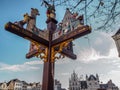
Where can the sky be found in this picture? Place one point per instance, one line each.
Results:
(96, 56)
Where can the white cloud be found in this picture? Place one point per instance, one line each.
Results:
(89, 55)
(3, 65)
(20, 67)
(78, 69)
(98, 41)
(114, 75)
(65, 74)
(65, 60)
(33, 62)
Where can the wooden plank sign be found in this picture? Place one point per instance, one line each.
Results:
(25, 33)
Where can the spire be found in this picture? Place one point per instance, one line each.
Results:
(97, 77)
(73, 71)
(86, 77)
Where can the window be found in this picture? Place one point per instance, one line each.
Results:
(95, 83)
(3, 85)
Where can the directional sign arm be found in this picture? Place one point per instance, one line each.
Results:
(69, 54)
(66, 52)
(31, 54)
(25, 33)
(81, 31)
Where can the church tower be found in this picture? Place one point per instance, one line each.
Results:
(74, 83)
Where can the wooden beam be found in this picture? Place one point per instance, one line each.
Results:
(31, 54)
(81, 31)
(69, 54)
(13, 28)
(65, 52)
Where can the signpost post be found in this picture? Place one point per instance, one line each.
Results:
(47, 48)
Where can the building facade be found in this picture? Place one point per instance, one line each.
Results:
(109, 86)
(3, 86)
(74, 83)
(91, 82)
(24, 87)
(16, 84)
(57, 85)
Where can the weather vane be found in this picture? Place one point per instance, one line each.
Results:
(46, 44)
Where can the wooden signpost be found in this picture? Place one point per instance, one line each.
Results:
(43, 43)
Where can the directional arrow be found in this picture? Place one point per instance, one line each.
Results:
(13, 28)
(81, 31)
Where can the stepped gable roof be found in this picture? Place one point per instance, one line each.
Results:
(83, 84)
(110, 83)
(103, 86)
(24, 83)
(92, 77)
(13, 80)
(8, 83)
(38, 84)
(16, 80)
(67, 12)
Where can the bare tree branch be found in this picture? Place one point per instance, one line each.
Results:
(104, 12)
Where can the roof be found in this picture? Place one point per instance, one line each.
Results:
(24, 83)
(92, 77)
(38, 84)
(103, 86)
(66, 13)
(8, 83)
(13, 80)
(30, 84)
(110, 83)
(1, 84)
(57, 82)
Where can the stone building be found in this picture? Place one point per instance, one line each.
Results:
(74, 83)
(57, 85)
(25, 84)
(36, 86)
(91, 82)
(109, 86)
(15, 84)
(3, 86)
